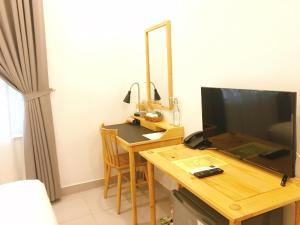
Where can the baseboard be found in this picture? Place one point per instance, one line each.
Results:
(81, 187)
(85, 186)
(72, 189)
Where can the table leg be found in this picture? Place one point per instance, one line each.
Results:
(151, 193)
(105, 178)
(133, 187)
(297, 213)
(235, 222)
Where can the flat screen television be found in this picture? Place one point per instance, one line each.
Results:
(257, 126)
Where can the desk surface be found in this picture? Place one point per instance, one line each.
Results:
(131, 133)
(241, 192)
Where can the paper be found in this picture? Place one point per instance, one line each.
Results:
(190, 164)
(154, 136)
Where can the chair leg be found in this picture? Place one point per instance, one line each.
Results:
(119, 192)
(107, 179)
(105, 171)
(146, 173)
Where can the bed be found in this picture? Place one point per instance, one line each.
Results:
(25, 203)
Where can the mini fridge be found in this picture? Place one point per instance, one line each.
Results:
(190, 210)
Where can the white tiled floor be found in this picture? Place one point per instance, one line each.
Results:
(90, 208)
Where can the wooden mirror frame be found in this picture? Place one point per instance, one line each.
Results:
(151, 103)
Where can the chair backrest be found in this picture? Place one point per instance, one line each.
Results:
(110, 146)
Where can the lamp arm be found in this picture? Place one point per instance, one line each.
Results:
(139, 97)
(152, 84)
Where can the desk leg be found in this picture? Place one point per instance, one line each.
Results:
(151, 193)
(105, 180)
(133, 187)
(235, 222)
(297, 213)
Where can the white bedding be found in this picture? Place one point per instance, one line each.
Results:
(25, 203)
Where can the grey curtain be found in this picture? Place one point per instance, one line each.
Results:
(23, 64)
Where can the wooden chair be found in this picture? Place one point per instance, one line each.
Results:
(119, 161)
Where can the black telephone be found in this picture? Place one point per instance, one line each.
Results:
(196, 140)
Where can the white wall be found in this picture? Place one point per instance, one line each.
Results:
(96, 49)
(238, 44)
(90, 63)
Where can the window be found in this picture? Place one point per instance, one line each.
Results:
(11, 112)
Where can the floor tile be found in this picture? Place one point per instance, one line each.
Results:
(111, 217)
(71, 196)
(96, 203)
(66, 210)
(90, 208)
(86, 220)
(163, 209)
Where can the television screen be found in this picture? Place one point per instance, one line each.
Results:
(253, 125)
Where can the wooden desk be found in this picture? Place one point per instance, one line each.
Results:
(130, 138)
(241, 192)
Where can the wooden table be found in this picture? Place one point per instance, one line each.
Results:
(241, 192)
(131, 139)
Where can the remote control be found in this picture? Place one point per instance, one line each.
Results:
(275, 154)
(207, 173)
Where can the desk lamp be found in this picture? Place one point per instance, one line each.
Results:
(127, 98)
(156, 95)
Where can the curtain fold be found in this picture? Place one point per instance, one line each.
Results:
(23, 64)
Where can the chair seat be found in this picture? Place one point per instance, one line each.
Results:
(124, 160)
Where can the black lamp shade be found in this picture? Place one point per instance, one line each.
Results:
(156, 95)
(127, 98)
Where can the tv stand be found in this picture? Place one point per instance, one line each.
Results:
(284, 180)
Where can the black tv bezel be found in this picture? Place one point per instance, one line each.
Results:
(294, 142)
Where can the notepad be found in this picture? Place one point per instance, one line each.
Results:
(154, 136)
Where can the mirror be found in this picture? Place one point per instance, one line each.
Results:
(159, 66)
